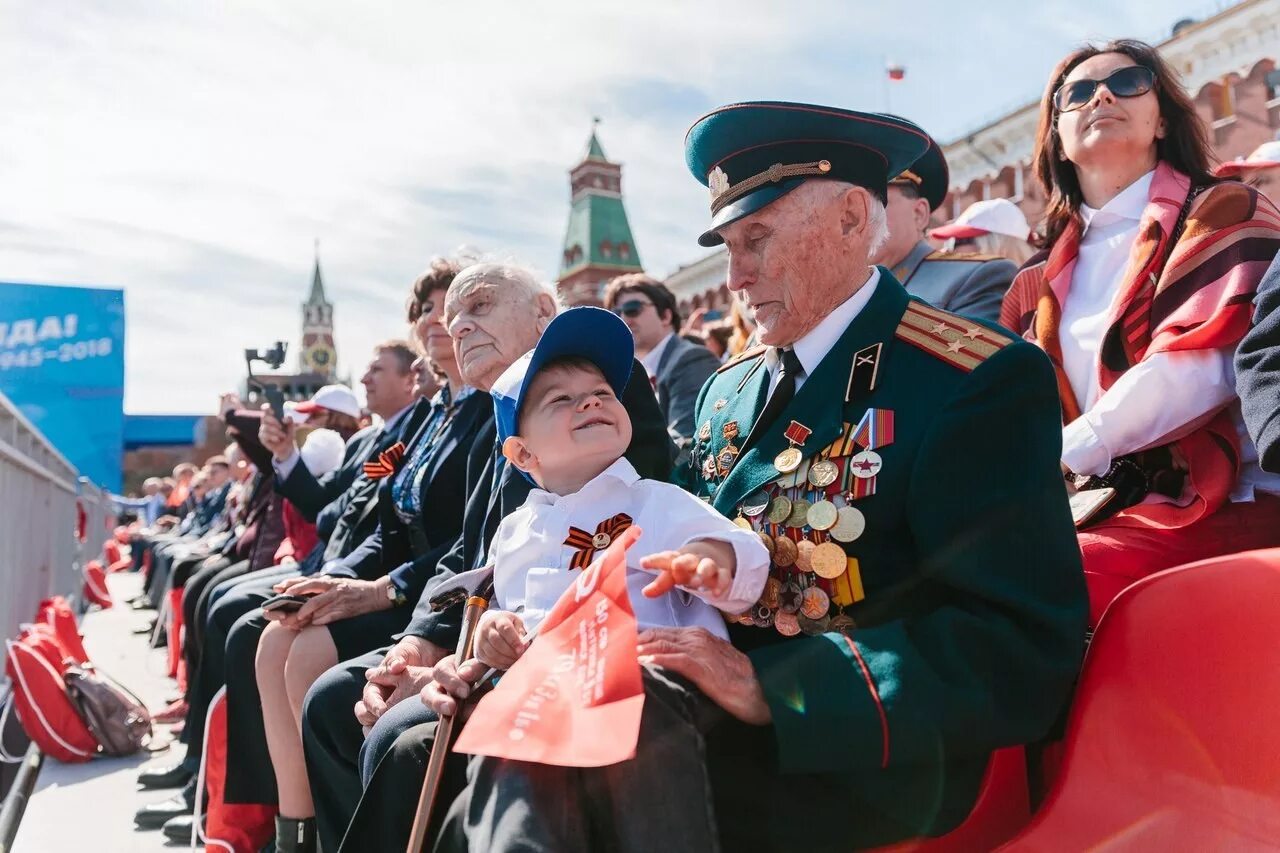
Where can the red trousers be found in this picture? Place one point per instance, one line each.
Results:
(1115, 557)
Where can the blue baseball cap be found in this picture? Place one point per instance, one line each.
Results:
(595, 334)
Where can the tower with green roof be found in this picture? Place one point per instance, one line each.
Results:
(597, 244)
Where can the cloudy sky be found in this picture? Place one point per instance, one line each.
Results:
(191, 152)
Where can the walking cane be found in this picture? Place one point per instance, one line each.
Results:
(476, 605)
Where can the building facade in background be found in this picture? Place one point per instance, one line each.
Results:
(597, 244)
(1229, 62)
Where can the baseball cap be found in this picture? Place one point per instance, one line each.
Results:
(335, 398)
(1264, 156)
(993, 216)
(591, 333)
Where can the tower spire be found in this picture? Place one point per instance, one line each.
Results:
(317, 283)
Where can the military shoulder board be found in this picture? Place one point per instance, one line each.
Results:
(962, 343)
(971, 257)
(745, 355)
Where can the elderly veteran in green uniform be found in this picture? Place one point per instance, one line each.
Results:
(926, 603)
(960, 282)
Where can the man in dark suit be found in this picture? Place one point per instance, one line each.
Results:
(1258, 372)
(676, 368)
(495, 315)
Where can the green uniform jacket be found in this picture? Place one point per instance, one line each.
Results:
(972, 627)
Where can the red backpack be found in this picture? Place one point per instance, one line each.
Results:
(39, 695)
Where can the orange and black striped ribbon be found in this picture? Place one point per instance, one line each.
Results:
(385, 464)
(583, 541)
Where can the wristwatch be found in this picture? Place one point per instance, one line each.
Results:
(395, 595)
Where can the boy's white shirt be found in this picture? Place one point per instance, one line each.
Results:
(531, 561)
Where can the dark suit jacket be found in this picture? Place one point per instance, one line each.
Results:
(494, 488)
(682, 371)
(389, 550)
(1258, 372)
(311, 494)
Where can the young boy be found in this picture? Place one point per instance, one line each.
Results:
(561, 424)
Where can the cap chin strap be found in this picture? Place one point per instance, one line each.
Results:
(774, 174)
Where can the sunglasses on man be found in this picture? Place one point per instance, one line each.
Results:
(631, 308)
(1129, 82)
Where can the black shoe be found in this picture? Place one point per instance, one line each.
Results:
(165, 777)
(156, 815)
(179, 829)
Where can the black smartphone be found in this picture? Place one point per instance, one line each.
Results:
(276, 398)
(285, 603)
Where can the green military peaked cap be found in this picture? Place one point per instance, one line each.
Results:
(753, 153)
(929, 175)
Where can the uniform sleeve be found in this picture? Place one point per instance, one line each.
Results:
(992, 664)
(679, 518)
(1257, 365)
(979, 296)
(683, 392)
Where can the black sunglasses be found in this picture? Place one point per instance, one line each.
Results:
(1127, 82)
(631, 308)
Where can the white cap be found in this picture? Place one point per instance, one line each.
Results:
(322, 451)
(1264, 156)
(994, 216)
(335, 398)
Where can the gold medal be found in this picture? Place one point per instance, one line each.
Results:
(828, 560)
(729, 431)
(772, 591)
(822, 473)
(767, 541)
(704, 431)
(815, 603)
(788, 460)
(742, 522)
(799, 514)
(784, 552)
(791, 598)
(842, 622)
(726, 458)
(822, 515)
(786, 624)
(850, 523)
(709, 468)
(804, 554)
(779, 509)
(761, 616)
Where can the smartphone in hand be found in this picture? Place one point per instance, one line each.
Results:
(284, 603)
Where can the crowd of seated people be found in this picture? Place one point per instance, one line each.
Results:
(342, 520)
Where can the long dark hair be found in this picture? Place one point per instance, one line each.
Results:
(1184, 146)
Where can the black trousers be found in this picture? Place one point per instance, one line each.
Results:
(208, 678)
(331, 741)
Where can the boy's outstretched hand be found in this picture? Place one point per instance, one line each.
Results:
(704, 565)
(500, 639)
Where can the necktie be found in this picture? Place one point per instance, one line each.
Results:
(788, 370)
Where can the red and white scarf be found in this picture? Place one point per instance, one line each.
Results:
(1195, 294)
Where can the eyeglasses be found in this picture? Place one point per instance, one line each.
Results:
(1127, 82)
(632, 308)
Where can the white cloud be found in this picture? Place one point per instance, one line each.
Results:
(191, 152)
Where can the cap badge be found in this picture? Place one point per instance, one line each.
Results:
(718, 183)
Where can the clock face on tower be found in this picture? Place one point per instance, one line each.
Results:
(319, 358)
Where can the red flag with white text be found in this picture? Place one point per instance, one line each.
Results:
(575, 698)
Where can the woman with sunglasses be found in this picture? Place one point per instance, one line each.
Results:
(1139, 301)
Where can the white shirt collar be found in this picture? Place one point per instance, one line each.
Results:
(1129, 204)
(814, 346)
(620, 471)
(653, 357)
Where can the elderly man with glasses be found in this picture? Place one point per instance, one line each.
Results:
(676, 367)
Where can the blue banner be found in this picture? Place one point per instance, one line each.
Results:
(62, 364)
